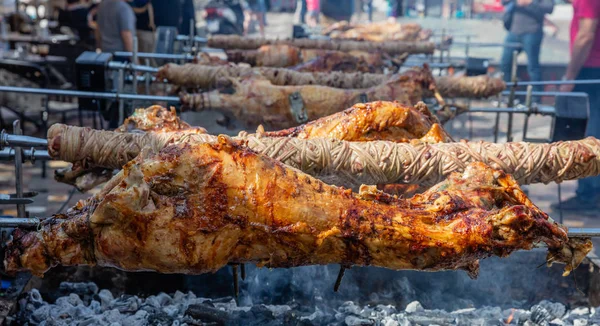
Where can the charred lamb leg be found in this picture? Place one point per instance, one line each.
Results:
(195, 208)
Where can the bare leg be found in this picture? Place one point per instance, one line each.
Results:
(261, 23)
(247, 20)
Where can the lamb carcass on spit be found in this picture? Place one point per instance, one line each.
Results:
(370, 121)
(312, 60)
(255, 100)
(235, 42)
(194, 208)
(378, 32)
(208, 76)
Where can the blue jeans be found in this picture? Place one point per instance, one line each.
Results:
(531, 44)
(590, 186)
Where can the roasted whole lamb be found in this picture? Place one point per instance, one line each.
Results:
(194, 208)
(257, 101)
(206, 77)
(232, 42)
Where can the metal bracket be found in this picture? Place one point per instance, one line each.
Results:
(297, 108)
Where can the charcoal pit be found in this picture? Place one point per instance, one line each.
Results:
(511, 291)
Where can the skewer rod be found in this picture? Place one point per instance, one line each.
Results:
(545, 110)
(584, 232)
(99, 95)
(31, 222)
(556, 82)
(12, 222)
(524, 93)
(23, 141)
(8, 154)
(149, 55)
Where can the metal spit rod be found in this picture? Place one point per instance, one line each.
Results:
(7, 139)
(19, 171)
(34, 222)
(521, 93)
(584, 232)
(31, 155)
(99, 95)
(555, 82)
(150, 55)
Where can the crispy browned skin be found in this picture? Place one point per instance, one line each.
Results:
(256, 101)
(152, 119)
(156, 119)
(469, 87)
(339, 61)
(378, 32)
(373, 121)
(195, 208)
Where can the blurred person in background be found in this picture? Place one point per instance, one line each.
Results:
(395, 9)
(144, 23)
(336, 10)
(75, 16)
(168, 13)
(7, 7)
(255, 12)
(585, 64)
(313, 9)
(188, 17)
(524, 20)
(300, 13)
(116, 26)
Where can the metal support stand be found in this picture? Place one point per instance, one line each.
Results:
(497, 122)
(340, 276)
(19, 170)
(511, 99)
(236, 286)
(134, 60)
(120, 86)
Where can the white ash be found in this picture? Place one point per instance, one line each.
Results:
(86, 305)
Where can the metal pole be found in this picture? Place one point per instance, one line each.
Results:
(134, 60)
(99, 95)
(557, 82)
(14, 222)
(497, 123)
(149, 55)
(511, 100)
(534, 93)
(120, 85)
(442, 48)
(19, 170)
(24, 141)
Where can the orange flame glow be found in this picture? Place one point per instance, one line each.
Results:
(510, 318)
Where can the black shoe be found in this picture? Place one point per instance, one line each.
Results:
(578, 203)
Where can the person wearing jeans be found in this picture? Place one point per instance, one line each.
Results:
(526, 29)
(585, 64)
